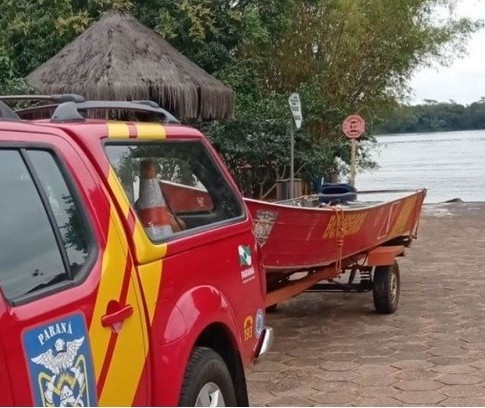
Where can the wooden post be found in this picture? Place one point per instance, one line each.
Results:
(292, 160)
(353, 161)
(296, 121)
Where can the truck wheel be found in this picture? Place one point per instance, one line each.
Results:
(387, 285)
(207, 382)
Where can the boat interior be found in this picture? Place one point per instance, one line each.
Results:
(344, 195)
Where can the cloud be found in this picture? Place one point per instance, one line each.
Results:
(464, 80)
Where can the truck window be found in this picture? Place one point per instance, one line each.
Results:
(193, 189)
(42, 241)
(67, 216)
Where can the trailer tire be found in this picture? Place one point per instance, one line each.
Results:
(206, 381)
(386, 288)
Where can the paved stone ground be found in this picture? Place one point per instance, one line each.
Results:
(333, 349)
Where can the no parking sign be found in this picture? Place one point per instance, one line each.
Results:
(354, 126)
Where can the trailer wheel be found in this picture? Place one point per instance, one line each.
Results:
(207, 381)
(387, 285)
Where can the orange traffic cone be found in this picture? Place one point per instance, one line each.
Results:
(150, 206)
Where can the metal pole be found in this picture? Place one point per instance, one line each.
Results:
(292, 159)
(353, 146)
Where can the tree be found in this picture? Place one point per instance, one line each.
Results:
(433, 116)
(10, 83)
(34, 31)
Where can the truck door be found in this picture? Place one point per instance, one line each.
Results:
(71, 328)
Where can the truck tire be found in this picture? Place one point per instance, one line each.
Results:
(387, 285)
(207, 381)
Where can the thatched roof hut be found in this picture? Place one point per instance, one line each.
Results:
(118, 58)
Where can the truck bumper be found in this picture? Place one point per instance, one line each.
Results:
(266, 341)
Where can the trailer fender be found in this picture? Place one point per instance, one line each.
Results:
(384, 255)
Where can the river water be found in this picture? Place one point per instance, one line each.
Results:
(449, 164)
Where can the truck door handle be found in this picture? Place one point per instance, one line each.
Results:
(117, 316)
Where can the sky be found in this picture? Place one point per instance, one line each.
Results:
(464, 80)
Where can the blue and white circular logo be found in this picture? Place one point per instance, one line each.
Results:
(259, 322)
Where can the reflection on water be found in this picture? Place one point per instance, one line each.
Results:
(449, 164)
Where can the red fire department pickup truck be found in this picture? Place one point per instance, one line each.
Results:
(129, 272)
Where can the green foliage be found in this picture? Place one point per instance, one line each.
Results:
(10, 83)
(253, 146)
(96, 7)
(361, 52)
(34, 31)
(261, 156)
(206, 31)
(434, 117)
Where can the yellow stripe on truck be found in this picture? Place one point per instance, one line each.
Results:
(118, 129)
(128, 362)
(118, 192)
(150, 131)
(128, 359)
(111, 280)
(151, 277)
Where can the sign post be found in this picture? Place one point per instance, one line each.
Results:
(353, 161)
(353, 127)
(295, 107)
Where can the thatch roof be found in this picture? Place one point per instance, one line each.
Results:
(118, 58)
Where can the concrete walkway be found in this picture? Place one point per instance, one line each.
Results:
(333, 349)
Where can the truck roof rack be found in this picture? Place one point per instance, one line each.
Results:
(69, 111)
(56, 98)
(7, 113)
(67, 107)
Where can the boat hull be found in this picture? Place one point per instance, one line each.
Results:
(294, 238)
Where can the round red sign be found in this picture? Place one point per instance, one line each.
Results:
(354, 126)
